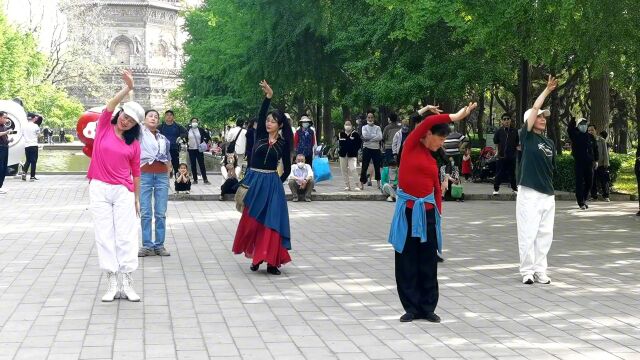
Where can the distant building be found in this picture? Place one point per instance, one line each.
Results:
(142, 35)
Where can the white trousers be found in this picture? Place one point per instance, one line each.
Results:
(348, 169)
(116, 226)
(535, 214)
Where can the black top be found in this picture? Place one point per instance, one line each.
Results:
(265, 155)
(507, 140)
(349, 144)
(4, 139)
(538, 161)
(584, 147)
(251, 139)
(173, 132)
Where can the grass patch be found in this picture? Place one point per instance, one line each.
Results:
(626, 181)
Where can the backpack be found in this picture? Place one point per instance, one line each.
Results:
(231, 148)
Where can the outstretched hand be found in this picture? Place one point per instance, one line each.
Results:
(552, 83)
(127, 77)
(434, 109)
(268, 92)
(464, 112)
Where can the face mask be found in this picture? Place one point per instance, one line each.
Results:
(582, 128)
(348, 128)
(405, 129)
(452, 162)
(370, 123)
(305, 125)
(194, 125)
(301, 165)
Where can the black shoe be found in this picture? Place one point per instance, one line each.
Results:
(408, 317)
(273, 270)
(255, 267)
(587, 206)
(432, 317)
(195, 181)
(638, 213)
(206, 182)
(583, 207)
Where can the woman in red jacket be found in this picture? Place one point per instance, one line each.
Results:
(415, 229)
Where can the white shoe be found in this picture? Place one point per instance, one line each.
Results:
(496, 192)
(542, 278)
(112, 290)
(126, 288)
(607, 200)
(515, 192)
(347, 189)
(2, 191)
(527, 279)
(390, 199)
(357, 189)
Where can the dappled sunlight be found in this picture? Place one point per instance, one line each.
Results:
(493, 267)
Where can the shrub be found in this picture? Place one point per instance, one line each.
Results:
(68, 138)
(564, 178)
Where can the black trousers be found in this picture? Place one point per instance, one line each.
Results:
(4, 159)
(417, 270)
(31, 152)
(584, 178)
(601, 179)
(196, 155)
(505, 170)
(637, 170)
(369, 155)
(175, 158)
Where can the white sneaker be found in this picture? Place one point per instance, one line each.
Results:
(527, 279)
(496, 192)
(126, 288)
(542, 278)
(2, 191)
(357, 189)
(390, 199)
(112, 287)
(347, 189)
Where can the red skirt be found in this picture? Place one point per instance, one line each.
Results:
(258, 242)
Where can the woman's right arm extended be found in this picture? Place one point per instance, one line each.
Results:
(261, 128)
(552, 83)
(127, 77)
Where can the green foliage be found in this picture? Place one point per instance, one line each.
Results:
(564, 178)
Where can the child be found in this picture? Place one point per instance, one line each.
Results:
(390, 180)
(466, 164)
(449, 176)
(183, 181)
(230, 185)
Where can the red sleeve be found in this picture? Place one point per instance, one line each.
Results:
(295, 140)
(105, 119)
(421, 130)
(135, 159)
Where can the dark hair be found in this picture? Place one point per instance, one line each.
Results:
(169, 112)
(441, 130)
(129, 135)
(604, 134)
(415, 119)
(194, 118)
(185, 165)
(594, 127)
(239, 122)
(393, 117)
(251, 121)
(392, 162)
(505, 115)
(151, 110)
(3, 113)
(371, 111)
(287, 133)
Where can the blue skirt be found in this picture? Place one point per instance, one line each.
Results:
(267, 203)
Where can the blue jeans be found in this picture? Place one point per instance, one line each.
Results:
(154, 186)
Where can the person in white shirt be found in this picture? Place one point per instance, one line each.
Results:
(237, 141)
(301, 179)
(31, 132)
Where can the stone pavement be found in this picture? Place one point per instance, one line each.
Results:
(336, 300)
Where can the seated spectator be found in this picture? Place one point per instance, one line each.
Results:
(230, 159)
(183, 180)
(450, 175)
(390, 180)
(301, 179)
(230, 185)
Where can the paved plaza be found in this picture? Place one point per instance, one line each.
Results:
(336, 300)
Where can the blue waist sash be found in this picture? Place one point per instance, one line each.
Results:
(399, 224)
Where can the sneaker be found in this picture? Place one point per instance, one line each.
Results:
(542, 278)
(161, 251)
(594, 198)
(607, 200)
(527, 279)
(369, 183)
(587, 206)
(34, 179)
(307, 199)
(432, 317)
(221, 197)
(187, 192)
(515, 192)
(143, 252)
(583, 207)
(195, 181)
(112, 287)
(295, 199)
(126, 288)
(408, 317)
(496, 192)
(637, 214)
(206, 182)
(24, 177)
(347, 189)
(390, 199)
(357, 189)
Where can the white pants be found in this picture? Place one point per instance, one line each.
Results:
(116, 226)
(535, 214)
(387, 189)
(348, 169)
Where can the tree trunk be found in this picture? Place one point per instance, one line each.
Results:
(346, 112)
(553, 125)
(522, 100)
(638, 114)
(599, 96)
(491, 109)
(318, 121)
(480, 119)
(299, 100)
(327, 126)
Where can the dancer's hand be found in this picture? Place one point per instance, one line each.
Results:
(268, 92)
(127, 77)
(433, 109)
(464, 112)
(552, 83)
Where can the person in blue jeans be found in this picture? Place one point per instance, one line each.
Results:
(155, 167)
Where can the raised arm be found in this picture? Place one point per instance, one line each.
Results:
(421, 130)
(127, 77)
(552, 83)
(261, 129)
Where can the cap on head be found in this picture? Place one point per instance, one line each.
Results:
(581, 120)
(135, 111)
(542, 112)
(305, 118)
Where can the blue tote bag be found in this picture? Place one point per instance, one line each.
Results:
(321, 169)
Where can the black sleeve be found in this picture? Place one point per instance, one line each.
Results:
(204, 137)
(496, 138)
(596, 154)
(261, 129)
(286, 164)
(572, 130)
(358, 140)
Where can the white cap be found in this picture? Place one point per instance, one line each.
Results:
(581, 120)
(134, 110)
(544, 112)
(305, 118)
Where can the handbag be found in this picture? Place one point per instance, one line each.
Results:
(321, 169)
(231, 148)
(240, 195)
(456, 191)
(202, 147)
